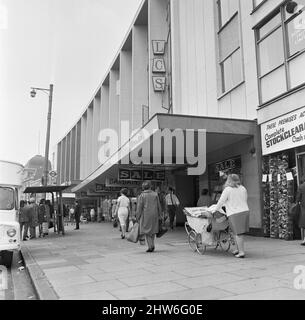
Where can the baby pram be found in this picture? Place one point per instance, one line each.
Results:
(207, 229)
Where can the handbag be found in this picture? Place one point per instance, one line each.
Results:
(115, 223)
(162, 230)
(134, 234)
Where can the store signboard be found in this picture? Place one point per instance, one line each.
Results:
(283, 133)
(232, 165)
(102, 188)
(141, 175)
(110, 182)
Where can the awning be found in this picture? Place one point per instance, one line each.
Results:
(221, 132)
(45, 189)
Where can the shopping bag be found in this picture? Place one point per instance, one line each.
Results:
(133, 235)
(162, 230)
(127, 224)
(45, 228)
(130, 225)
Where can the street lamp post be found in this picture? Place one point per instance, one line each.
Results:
(50, 94)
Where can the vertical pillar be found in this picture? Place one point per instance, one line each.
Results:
(140, 77)
(157, 30)
(83, 153)
(95, 130)
(78, 148)
(68, 156)
(59, 164)
(114, 101)
(73, 154)
(89, 128)
(125, 98)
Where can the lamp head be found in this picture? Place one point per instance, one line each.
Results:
(33, 93)
(291, 7)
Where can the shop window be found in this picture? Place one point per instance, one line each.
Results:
(230, 56)
(281, 51)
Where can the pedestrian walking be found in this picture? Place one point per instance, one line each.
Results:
(205, 199)
(41, 216)
(71, 214)
(33, 215)
(123, 210)
(301, 200)
(172, 203)
(148, 215)
(234, 198)
(92, 214)
(24, 220)
(77, 214)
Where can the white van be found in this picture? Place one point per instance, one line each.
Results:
(10, 187)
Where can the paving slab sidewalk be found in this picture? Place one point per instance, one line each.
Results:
(94, 263)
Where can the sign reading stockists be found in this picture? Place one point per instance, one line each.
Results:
(284, 133)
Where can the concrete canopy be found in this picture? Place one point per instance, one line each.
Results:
(220, 132)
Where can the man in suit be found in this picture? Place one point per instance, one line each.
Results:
(77, 214)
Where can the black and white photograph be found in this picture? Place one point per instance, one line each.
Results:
(152, 150)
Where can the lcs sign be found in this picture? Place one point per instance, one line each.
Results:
(158, 67)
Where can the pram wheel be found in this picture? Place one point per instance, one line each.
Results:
(224, 241)
(200, 247)
(192, 240)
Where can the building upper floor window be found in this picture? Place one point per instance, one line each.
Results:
(256, 3)
(230, 57)
(226, 10)
(281, 51)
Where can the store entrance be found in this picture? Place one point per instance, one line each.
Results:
(301, 167)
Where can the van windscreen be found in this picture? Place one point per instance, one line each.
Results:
(6, 198)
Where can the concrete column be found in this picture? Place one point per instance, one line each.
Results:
(63, 161)
(89, 144)
(73, 154)
(125, 98)
(77, 150)
(114, 113)
(95, 130)
(140, 77)
(104, 107)
(83, 153)
(68, 156)
(157, 30)
(58, 165)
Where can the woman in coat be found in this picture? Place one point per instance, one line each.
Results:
(148, 214)
(301, 199)
(234, 199)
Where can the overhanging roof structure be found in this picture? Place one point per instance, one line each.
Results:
(221, 132)
(45, 189)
